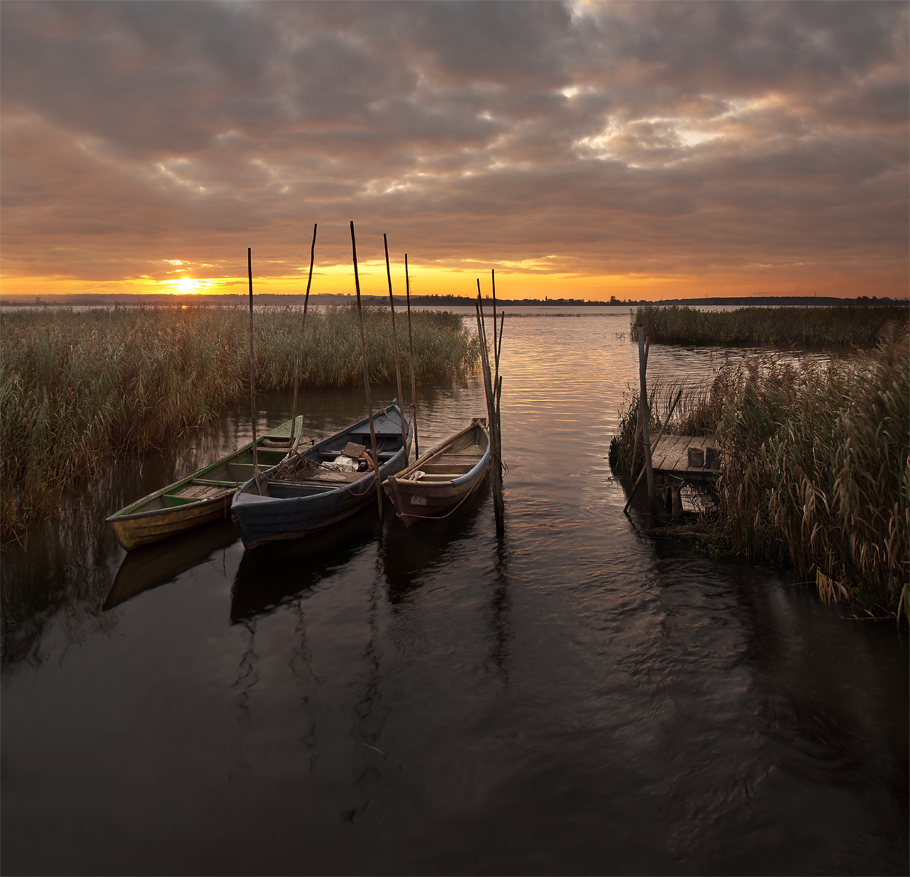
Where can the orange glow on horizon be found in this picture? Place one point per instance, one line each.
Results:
(339, 280)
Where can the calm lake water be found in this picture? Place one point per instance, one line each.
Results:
(573, 698)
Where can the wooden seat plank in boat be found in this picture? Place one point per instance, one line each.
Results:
(199, 498)
(444, 477)
(276, 506)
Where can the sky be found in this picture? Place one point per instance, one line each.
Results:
(642, 150)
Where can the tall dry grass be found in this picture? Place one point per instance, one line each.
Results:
(697, 412)
(78, 387)
(827, 328)
(816, 466)
(817, 471)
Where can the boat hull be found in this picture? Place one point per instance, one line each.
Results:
(293, 511)
(147, 527)
(435, 496)
(198, 499)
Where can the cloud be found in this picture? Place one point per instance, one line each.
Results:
(596, 138)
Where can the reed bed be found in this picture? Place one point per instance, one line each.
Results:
(79, 387)
(816, 467)
(809, 328)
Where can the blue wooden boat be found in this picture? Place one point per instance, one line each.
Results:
(444, 477)
(300, 495)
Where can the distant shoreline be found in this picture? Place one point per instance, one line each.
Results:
(165, 299)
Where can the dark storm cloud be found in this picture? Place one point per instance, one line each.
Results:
(602, 138)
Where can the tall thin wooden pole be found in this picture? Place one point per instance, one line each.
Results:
(643, 402)
(388, 271)
(491, 393)
(366, 378)
(502, 325)
(407, 286)
(495, 344)
(306, 301)
(249, 266)
(497, 397)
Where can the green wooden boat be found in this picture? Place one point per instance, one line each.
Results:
(202, 497)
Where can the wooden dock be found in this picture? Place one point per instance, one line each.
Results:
(686, 456)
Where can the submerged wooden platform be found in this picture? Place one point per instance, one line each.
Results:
(671, 457)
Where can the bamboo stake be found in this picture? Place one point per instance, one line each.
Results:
(404, 431)
(249, 266)
(306, 301)
(645, 427)
(366, 378)
(407, 282)
(660, 435)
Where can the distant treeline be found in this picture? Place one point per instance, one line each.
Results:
(273, 299)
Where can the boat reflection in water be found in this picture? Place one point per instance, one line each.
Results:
(410, 556)
(280, 573)
(151, 566)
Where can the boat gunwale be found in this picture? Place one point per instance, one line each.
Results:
(462, 479)
(125, 514)
(367, 479)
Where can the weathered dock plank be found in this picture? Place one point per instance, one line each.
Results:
(671, 456)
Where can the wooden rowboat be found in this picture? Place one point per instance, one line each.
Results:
(444, 477)
(202, 497)
(300, 496)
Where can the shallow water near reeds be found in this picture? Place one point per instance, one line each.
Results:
(572, 698)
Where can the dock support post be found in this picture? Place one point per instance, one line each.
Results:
(660, 435)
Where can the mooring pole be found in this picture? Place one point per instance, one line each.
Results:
(407, 286)
(306, 301)
(249, 267)
(495, 342)
(491, 393)
(643, 403)
(366, 378)
(404, 431)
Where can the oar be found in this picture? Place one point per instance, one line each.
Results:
(448, 447)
